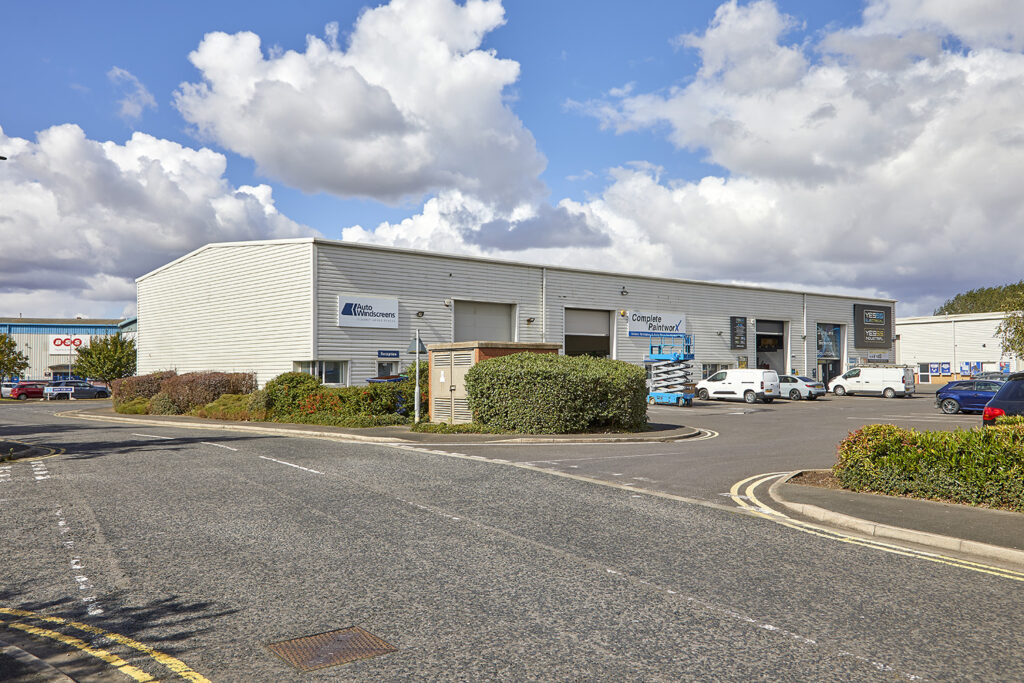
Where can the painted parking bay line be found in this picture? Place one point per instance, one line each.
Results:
(218, 445)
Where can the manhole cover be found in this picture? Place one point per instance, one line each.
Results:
(330, 648)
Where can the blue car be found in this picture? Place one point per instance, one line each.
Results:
(969, 395)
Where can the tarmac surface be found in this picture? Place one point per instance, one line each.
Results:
(972, 531)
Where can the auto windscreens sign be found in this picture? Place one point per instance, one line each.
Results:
(645, 324)
(367, 311)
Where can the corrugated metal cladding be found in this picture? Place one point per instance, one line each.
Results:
(33, 339)
(953, 339)
(268, 305)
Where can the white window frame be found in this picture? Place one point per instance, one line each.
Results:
(344, 371)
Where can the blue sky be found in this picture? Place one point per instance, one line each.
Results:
(782, 143)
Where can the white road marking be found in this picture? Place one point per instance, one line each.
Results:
(218, 445)
(39, 470)
(92, 606)
(299, 467)
(153, 436)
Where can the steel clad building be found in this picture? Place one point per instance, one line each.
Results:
(346, 312)
(50, 343)
(942, 348)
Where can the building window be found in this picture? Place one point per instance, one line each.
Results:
(387, 368)
(327, 371)
(708, 369)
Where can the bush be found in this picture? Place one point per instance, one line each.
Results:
(285, 392)
(227, 407)
(195, 389)
(445, 428)
(143, 386)
(162, 404)
(136, 406)
(980, 466)
(548, 393)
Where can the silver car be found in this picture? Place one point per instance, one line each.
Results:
(797, 387)
(79, 389)
(5, 389)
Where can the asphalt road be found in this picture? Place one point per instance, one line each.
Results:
(172, 550)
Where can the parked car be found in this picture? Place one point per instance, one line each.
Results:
(1009, 400)
(5, 389)
(80, 389)
(966, 395)
(740, 384)
(27, 390)
(797, 387)
(992, 374)
(889, 381)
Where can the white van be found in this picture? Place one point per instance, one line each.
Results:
(740, 384)
(889, 381)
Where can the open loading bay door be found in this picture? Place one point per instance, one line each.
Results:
(588, 332)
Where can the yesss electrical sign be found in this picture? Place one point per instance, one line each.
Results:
(644, 324)
(366, 311)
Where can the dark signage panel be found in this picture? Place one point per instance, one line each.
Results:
(872, 326)
(737, 332)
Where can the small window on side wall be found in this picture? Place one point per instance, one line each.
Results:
(327, 371)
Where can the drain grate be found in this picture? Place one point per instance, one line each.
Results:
(330, 649)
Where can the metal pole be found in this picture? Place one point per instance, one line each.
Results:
(416, 394)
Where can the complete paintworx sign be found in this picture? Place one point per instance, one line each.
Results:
(367, 311)
(645, 324)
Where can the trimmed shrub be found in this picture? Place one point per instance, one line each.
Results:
(550, 394)
(142, 386)
(257, 405)
(227, 407)
(195, 389)
(136, 406)
(285, 392)
(980, 466)
(162, 404)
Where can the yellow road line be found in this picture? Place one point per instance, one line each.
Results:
(53, 450)
(175, 665)
(784, 520)
(108, 657)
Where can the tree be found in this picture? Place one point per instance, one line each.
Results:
(1011, 330)
(107, 358)
(12, 361)
(983, 300)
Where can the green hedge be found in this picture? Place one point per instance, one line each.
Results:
(128, 389)
(552, 394)
(980, 466)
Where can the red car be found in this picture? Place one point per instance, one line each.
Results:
(27, 390)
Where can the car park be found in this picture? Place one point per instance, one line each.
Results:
(27, 390)
(1008, 401)
(967, 395)
(740, 384)
(79, 389)
(796, 387)
(888, 381)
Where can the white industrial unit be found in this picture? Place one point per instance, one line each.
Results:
(943, 348)
(346, 312)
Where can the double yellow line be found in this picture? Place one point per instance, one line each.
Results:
(749, 501)
(169, 662)
(53, 452)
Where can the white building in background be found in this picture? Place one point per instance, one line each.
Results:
(943, 348)
(51, 344)
(346, 312)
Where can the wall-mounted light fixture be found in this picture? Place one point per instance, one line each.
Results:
(624, 292)
(530, 320)
(719, 333)
(419, 314)
(622, 313)
(447, 303)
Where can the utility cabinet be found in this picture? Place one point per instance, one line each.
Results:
(449, 363)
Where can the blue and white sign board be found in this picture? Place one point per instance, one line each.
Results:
(946, 369)
(965, 367)
(356, 310)
(58, 390)
(646, 324)
(387, 354)
(934, 368)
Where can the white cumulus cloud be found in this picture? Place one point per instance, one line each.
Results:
(412, 106)
(82, 219)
